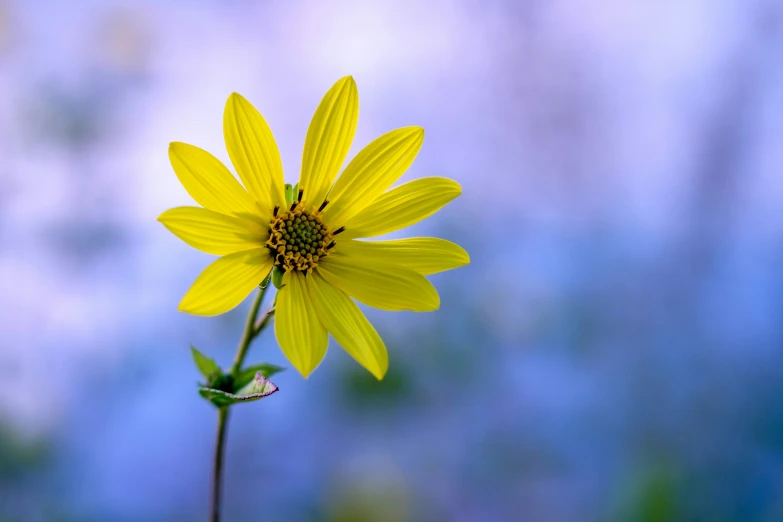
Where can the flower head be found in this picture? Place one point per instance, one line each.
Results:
(313, 236)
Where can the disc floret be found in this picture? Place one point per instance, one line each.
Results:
(298, 239)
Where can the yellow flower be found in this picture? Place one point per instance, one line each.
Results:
(313, 238)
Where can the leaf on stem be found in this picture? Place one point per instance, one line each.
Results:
(208, 367)
(247, 375)
(258, 388)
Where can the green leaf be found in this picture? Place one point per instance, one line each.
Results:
(289, 193)
(206, 366)
(246, 375)
(277, 277)
(266, 280)
(258, 388)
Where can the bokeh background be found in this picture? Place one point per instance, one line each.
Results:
(613, 353)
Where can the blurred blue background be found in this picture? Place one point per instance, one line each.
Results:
(613, 353)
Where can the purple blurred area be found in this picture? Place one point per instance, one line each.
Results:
(613, 353)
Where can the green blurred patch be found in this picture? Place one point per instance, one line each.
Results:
(19, 454)
(377, 496)
(360, 390)
(21, 461)
(655, 496)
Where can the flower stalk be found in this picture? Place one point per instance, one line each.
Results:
(217, 477)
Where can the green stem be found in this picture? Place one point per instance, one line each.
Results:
(252, 330)
(217, 478)
(261, 324)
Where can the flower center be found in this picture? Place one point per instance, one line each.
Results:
(298, 239)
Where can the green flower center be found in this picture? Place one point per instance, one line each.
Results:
(298, 239)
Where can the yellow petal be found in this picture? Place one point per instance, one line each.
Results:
(253, 151)
(372, 171)
(299, 332)
(211, 184)
(328, 139)
(226, 282)
(402, 206)
(380, 285)
(212, 232)
(348, 325)
(424, 255)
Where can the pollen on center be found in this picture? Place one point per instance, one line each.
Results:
(298, 239)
